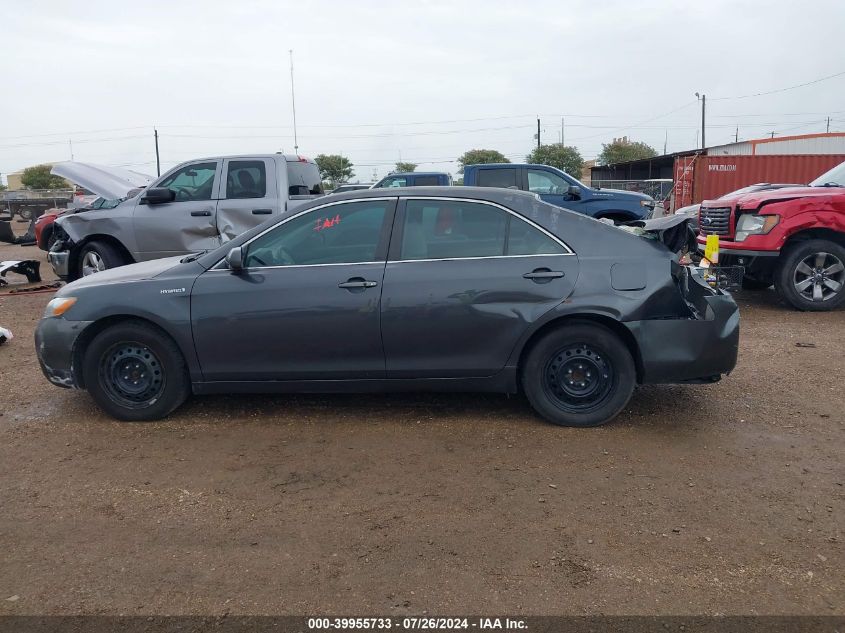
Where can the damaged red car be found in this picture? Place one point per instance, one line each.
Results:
(792, 238)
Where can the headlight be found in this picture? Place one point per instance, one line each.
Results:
(58, 306)
(647, 203)
(750, 224)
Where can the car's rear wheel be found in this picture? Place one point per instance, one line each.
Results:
(96, 257)
(811, 275)
(135, 372)
(580, 374)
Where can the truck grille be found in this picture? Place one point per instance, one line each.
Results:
(715, 221)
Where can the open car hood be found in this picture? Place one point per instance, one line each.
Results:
(674, 231)
(111, 183)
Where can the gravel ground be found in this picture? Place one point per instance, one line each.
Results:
(724, 498)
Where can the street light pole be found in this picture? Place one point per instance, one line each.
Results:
(293, 104)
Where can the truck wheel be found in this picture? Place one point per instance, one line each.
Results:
(135, 372)
(579, 375)
(98, 256)
(811, 275)
(25, 214)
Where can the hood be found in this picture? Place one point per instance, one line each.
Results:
(673, 231)
(618, 194)
(755, 199)
(111, 183)
(123, 274)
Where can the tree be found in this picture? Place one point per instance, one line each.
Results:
(481, 157)
(405, 167)
(622, 150)
(3, 187)
(334, 168)
(565, 158)
(39, 177)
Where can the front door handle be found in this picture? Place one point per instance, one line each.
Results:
(262, 211)
(357, 283)
(201, 214)
(543, 275)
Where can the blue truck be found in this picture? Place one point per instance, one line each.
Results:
(415, 179)
(559, 188)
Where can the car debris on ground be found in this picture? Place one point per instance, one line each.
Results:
(30, 268)
(5, 335)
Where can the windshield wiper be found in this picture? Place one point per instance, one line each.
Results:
(190, 258)
(830, 184)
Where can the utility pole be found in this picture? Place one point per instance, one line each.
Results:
(293, 104)
(158, 160)
(562, 139)
(703, 99)
(538, 132)
(828, 124)
(773, 134)
(70, 144)
(665, 140)
(736, 138)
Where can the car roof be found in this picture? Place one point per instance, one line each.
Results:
(490, 194)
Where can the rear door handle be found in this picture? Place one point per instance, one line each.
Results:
(262, 211)
(201, 214)
(544, 273)
(357, 283)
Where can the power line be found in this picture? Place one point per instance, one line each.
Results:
(771, 92)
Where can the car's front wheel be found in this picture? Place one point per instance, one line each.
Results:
(811, 275)
(580, 374)
(135, 372)
(96, 257)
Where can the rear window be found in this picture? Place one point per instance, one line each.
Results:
(498, 178)
(427, 181)
(304, 179)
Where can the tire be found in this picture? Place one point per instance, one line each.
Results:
(750, 283)
(25, 214)
(811, 275)
(580, 374)
(98, 256)
(135, 372)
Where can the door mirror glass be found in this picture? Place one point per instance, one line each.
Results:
(158, 195)
(235, 259)
(575, 191)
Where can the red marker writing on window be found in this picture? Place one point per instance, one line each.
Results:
(326, 223)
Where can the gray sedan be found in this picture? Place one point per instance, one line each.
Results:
(455, 289)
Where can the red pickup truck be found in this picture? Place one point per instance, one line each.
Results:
(791, 238)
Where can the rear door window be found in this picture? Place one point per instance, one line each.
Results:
(507, 178)
(246, 179)
(448, 229)
(426, 181)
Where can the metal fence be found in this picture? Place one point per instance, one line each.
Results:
(36, 194)
(657, 189)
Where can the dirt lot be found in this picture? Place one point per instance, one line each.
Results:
(725, 498)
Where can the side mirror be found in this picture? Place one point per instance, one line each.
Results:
(158, 195)
(235, 259)
(574, 190)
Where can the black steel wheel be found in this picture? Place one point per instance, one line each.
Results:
(580, 374)
(134, 371)
(811, 275)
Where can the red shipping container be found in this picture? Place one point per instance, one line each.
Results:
(700, 178)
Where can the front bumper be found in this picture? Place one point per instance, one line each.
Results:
(697, 349)
(55, 339)
(59, 260)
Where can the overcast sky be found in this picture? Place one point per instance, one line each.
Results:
(376, 80)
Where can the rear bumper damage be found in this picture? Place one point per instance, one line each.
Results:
(697, 349)
(55, 339)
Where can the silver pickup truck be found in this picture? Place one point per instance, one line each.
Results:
(194, 207)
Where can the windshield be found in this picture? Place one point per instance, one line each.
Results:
(833, 178)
